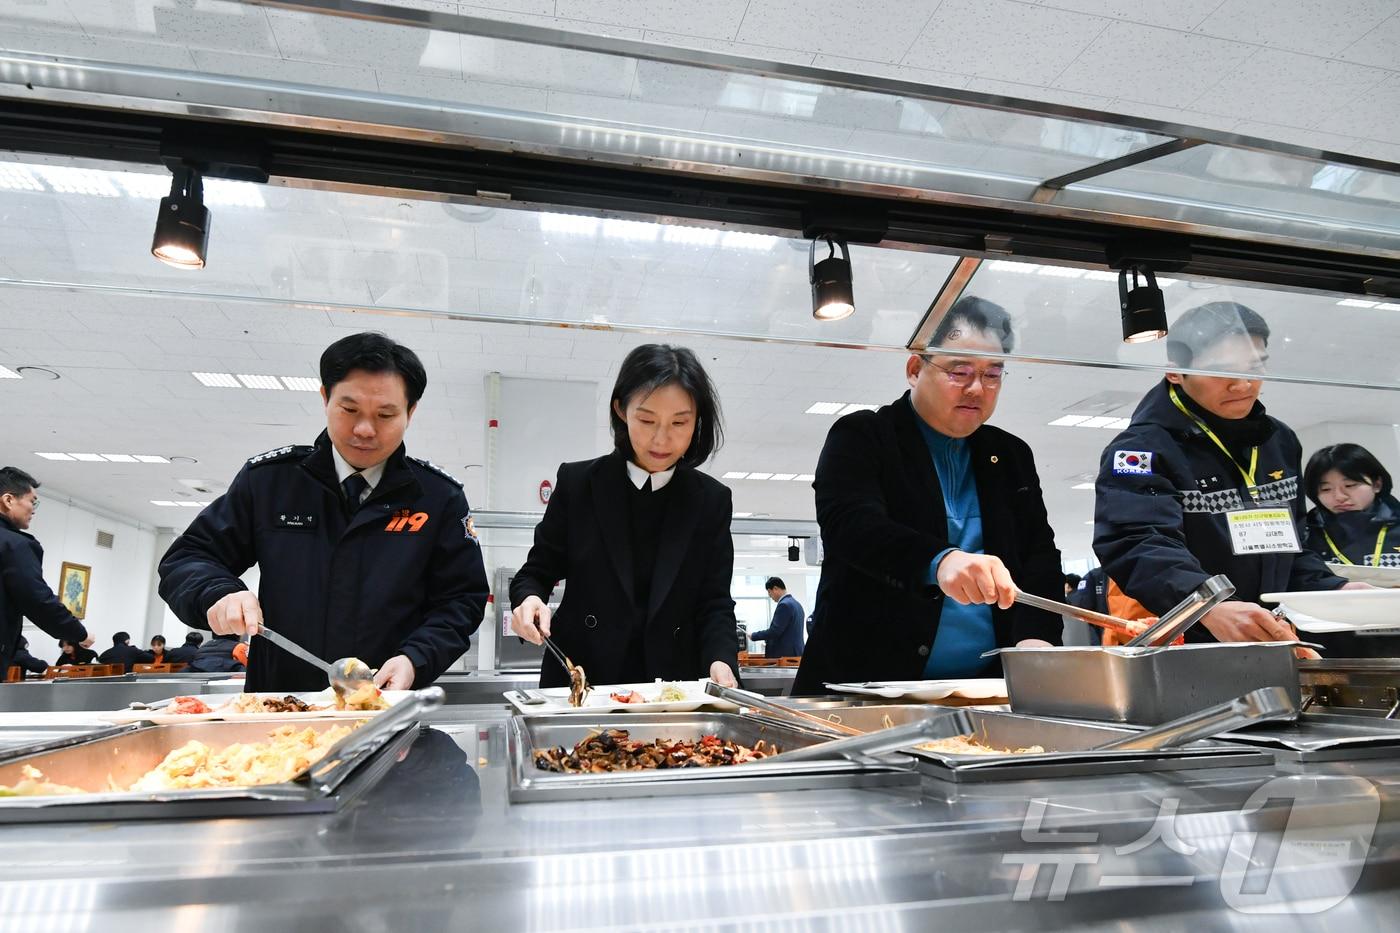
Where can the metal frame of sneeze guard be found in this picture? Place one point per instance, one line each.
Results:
(1186, 613)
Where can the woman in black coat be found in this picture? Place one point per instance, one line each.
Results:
(642, 538)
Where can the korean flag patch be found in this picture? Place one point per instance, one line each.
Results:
(1132, 461)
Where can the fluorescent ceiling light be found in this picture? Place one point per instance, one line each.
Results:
(825, 408)
(218, 380)
(631, 230)
(1020, 268)
(18, 178)
(568, 223)
(690, 236)
(804, 478)
(259, 382)
(1356, 303)
(225, 193)
(139, 185)
(119, 458)
(782, 477)
(302, 383)
(186, 504)
(1060, 272)
(760, 475)
(1098, 421)
(1082, 486)
(9, 374)
(165, 502)
(88, 458)
(743, 515)
(1119, 424)
(67, 180)
(854, 406)
(150, 458)
(1069, 421)
(734, 475)
(1388, 306)
(1099, 275)
(52, 456)
(738, 239)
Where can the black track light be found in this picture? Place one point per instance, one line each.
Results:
(182, 226)
(832, 295)
(1142, 307)
(794, 550)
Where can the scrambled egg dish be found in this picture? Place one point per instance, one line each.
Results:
(286, 753)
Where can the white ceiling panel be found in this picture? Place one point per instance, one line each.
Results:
(1370, 114)
(1377, 47)
(880, 30)
(1152, 65)
(308, 37)
(280, 69)
(1321, 27)
(1179, 14)
(719, 19)
(1275, 86)
(1003, 39)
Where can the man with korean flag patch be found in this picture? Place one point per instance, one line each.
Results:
(1203, 481)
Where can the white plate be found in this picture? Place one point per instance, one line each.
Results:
(1376, 576)
(556, 699)
(219, 703)
(927, 691)
(1340, 610)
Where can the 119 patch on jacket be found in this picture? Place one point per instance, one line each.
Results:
(1132, 461)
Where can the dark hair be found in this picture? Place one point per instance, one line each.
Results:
(1205, 325)
(158, 638)
(1072, 580)
(653, 366)
(15, 482)
(121, 638)
(976, 314)
(1351, 460)
(62, 642)
(194, 638)
(374, 353)
(775, 581)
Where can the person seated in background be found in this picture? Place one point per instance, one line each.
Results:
(932, 520)
(157, 651)
(1356, 519)
(1202, 482)
(27, 661)
(123, 652)
(185, 653)
(220, 655)
(1071, 584)
(783, 636)
(70, 652)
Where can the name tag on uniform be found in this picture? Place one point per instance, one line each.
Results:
(1263, 531)
(294, 520)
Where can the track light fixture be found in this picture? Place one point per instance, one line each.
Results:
(833, 297)
(182, 226)
(794, 549)
(1142, 307)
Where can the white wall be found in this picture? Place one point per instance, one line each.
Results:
(121, 589)
(1383, 440)
(542, 423)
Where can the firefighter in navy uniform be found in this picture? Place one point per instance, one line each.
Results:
(363, 551)
(1204, 482)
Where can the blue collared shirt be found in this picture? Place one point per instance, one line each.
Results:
(964, 632)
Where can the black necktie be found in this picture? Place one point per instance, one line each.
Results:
(354, 486)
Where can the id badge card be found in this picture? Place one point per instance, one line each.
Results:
(1263, 531)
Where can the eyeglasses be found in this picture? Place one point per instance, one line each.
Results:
(963, 376)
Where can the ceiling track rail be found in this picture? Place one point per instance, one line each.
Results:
(323, 159)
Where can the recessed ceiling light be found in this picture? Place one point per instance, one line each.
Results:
(1388, 306)
(760, 475)
(804, 478)
(164, 502)
(9, 374)
(732, 474)
(743, 515)
(259, 382)
(218, 380)
(782, 477)
(68, 180)
(179, 459)
(52, 456)
(29, 371)
(302, 383)
(119, 458)
(1082, 486)
(88, 458)
(1098, 421)
(1069, 421)
(825, 408)
(187, 504)
(1119, 424)
(18, 178)
(150, 458)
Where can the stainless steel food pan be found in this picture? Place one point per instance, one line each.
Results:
(1319, 737)
(1142, 686)
(529, 783)
(116, 758)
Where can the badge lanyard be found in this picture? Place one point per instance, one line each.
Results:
(1253, 454)
(1375, 557)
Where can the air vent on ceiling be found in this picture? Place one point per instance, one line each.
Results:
(105, 539)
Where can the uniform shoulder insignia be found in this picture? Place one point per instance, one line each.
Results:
(280, 453)
(430, 465)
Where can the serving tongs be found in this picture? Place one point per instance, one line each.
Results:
(569, 666)
(796, 717)
(1264, 704)
(1111, 623)
(1186, 613)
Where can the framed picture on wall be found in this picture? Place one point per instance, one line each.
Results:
(73, 581)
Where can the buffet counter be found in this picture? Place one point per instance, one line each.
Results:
(435, 845)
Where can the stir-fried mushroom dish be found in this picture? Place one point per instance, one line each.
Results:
(578, 685)
(612, 750)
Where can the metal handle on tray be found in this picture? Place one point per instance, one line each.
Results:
(786, 713)
(1255, 706)
(347, 754)
(1187, 612)
(861, 747)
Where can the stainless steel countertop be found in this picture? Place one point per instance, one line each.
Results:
(436, 846)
